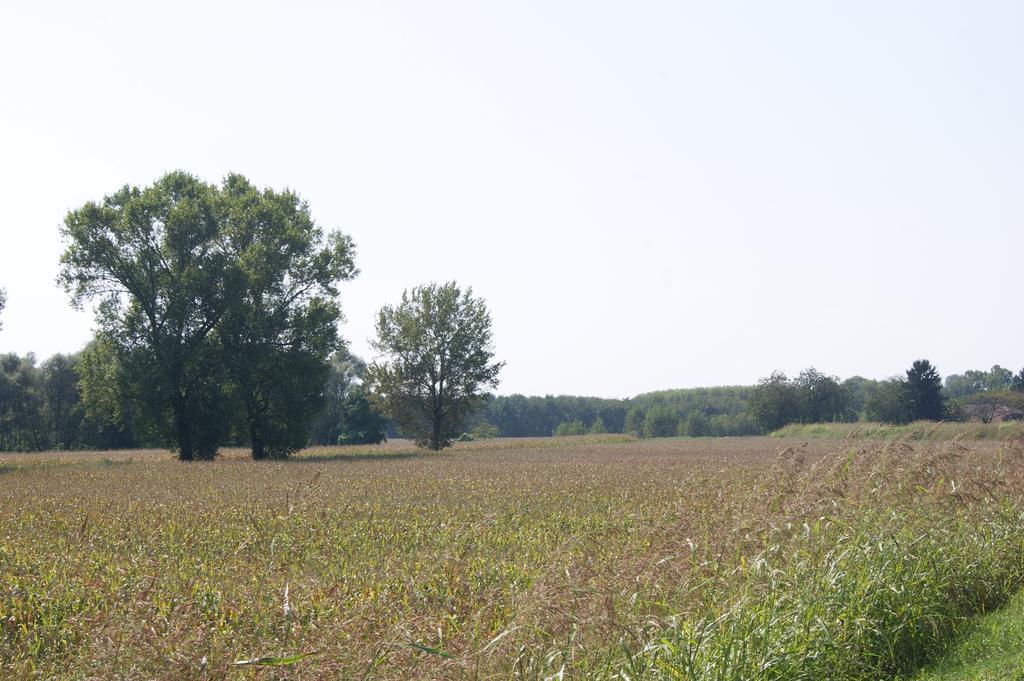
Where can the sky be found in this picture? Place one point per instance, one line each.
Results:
(648, 195)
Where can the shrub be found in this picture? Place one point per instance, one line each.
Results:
(570, 428)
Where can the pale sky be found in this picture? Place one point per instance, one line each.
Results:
(648, 194)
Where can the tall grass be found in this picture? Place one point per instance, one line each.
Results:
(919, 430)
(570, 558)
(866, 579)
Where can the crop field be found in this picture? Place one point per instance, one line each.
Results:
(593, 557)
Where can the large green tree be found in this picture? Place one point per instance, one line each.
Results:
(218, 304)
(437, 356)
(283, 325)
(157, 261)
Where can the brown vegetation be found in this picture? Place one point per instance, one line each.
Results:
(501, 558)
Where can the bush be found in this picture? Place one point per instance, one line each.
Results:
(661, 421)
(696, 424)
(485, 431)
(571, 428)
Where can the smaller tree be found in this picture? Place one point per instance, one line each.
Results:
(998, 379)
(1017, 384)
(634, 424)
(3, 303)
(822, 398)
(437, 356)
(889, 403)
(775, 402)
(63, 403)
(360, 424)
(924, 392)
(661, 421)
(697, 424)
(485, 430)
(566, 428)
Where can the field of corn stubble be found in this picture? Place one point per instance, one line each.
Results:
(604, 557)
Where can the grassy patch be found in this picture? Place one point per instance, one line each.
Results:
(919, 430)
(992, 650)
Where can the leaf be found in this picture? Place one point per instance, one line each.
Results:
(270, 661)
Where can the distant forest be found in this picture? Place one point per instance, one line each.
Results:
(42, 407)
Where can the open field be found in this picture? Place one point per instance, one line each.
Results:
(746, 558)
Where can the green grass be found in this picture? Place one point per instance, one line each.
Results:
(992, 650)
(919, 430)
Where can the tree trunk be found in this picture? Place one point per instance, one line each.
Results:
(256, 439)
(435, 430)
(184, 428)
(258, 447)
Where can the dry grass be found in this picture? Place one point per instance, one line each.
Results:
(502, 559)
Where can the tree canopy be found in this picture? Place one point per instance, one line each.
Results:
(213, 302)
(924, 392)
(283, 323)
(437, 357)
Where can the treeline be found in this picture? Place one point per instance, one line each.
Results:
(919, 394)
(41, 408)
(695, 411)
(776, 401)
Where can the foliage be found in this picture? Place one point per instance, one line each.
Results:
(634, 424)
(1017, 384)
(521, 416)
(157, 260)
(438, 352)
(360, 423)
(217, 304)
(696, 424)
(812, 397)
(42, 407)
(485, 431)
(282, 324)
(570, 428)
(598, 427)
(348, 416)
(3, 303)
(660, 421)
(858, 391)
(890, 403)
(973, 382)
(924, 392)
(821, 398)
(775, 403)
